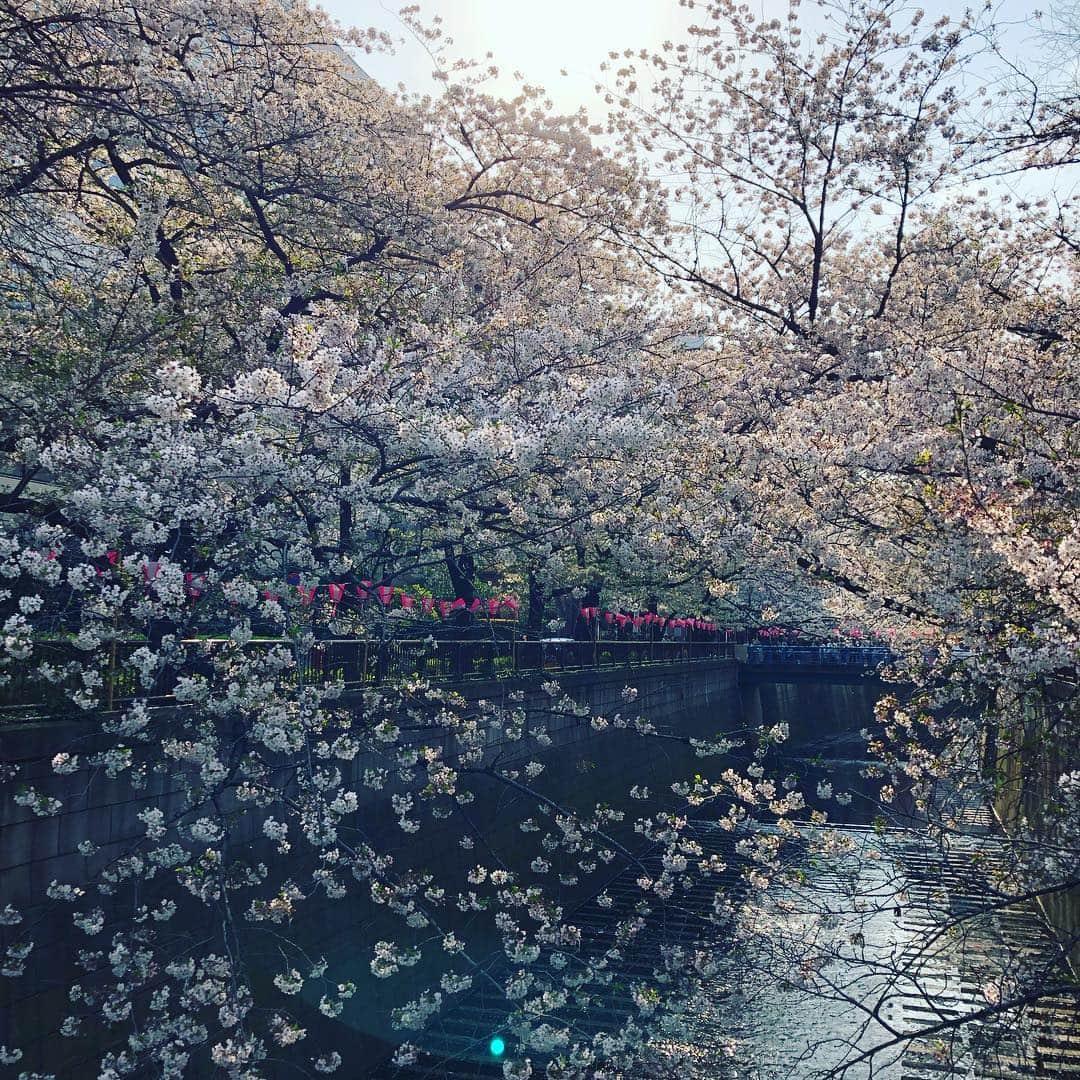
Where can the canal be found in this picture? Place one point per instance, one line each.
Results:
(839, 957)
(836, 971)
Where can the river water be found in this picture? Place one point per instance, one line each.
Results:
(821, 977)
(803, 966)
(879, 964)
(747, 1021)
(775, 1015)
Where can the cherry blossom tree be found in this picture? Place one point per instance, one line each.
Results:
(893, 374)
(269, 329)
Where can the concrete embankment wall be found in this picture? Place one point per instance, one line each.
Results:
(36, 850)
(582, 765)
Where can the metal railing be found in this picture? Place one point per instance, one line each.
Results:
(846, 656)
(370, 662)
(359, 663)
(354, 662)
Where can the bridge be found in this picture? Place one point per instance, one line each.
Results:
(812, 661)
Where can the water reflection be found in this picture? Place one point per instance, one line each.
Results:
(746, 1025)
(795, 997)
(824, 719)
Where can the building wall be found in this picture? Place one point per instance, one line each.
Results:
(1030, 756)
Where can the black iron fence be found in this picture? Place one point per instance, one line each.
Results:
(357, 663)
(352, 662)
(846, 656)
(364, 663)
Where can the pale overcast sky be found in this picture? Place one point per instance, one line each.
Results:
(541, 40)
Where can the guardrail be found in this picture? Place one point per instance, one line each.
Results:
(358, 664)
(846, 656)
(366, 663)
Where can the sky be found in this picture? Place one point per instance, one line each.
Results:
(538, 39)
(560, 45)
(542, 40)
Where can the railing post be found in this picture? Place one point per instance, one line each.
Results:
(112, 673)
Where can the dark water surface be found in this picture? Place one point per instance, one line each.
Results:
(824, 717)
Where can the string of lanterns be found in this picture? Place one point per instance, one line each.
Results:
(648, 618)
(195, 585)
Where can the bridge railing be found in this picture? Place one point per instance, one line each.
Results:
(354, 662)
(846, 656)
